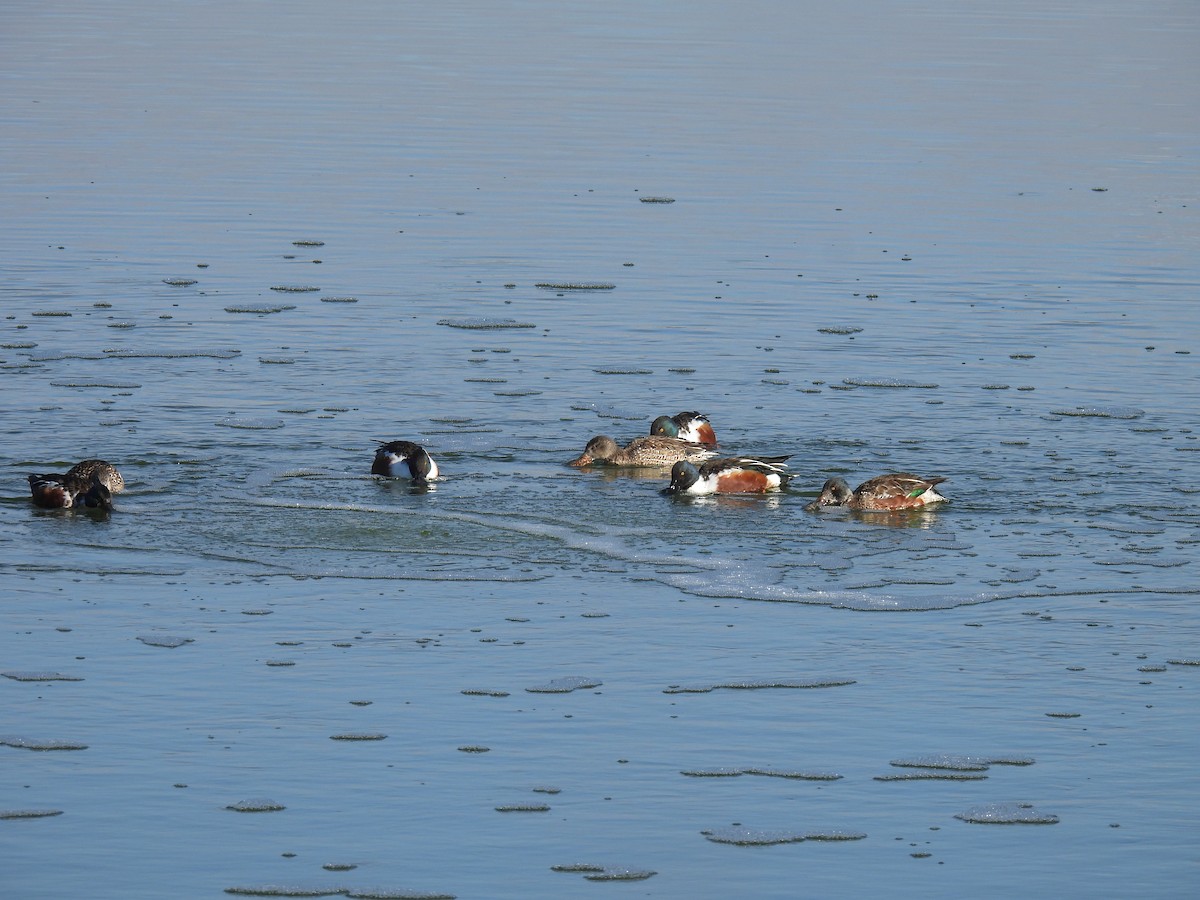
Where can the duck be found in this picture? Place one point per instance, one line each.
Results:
(105, 471)
(899, 490)
(70, 492)
(652, 450)
(399, 459)
(687, 426)
(734, 475)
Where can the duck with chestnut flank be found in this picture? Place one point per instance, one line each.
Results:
(736, 475)
(687, 426)
(69, 492)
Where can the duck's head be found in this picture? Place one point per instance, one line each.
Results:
(664, 426)
(98, 495)
(599, 449)
(683, 476)
(835, 492)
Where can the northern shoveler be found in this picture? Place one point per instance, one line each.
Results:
(738, 475)
(69, 492)
(652, 450)
(399, 459)
(900, 490)
(687, 426)
(106, 472)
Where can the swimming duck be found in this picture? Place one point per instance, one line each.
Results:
(687, 426)
(69, 492)
(900, 490)
(106, 472)
(737, 475)
(651, 450)
(398, 459)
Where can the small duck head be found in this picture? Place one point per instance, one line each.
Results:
(683, 476)
(835, 492)
(599, 449)
(98, 495)
(664, 426)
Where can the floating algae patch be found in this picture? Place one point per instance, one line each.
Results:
(164, 640)
(1007, 814)
(565, 685)
(29, 813)
(620, 873)
(40, 676)
(110, 385)
(308, 243)
(180, 282)
(250, 424)
(769, 773)
(359, 736)
(888, 383)
(339, 299)
(50, 313)
(621, 371)
(284, 890)
(1101, 412)
(761, 837)
(756, 685)
(961, 763)
(575, 285)
(840, 329)
(260, 310)
(383, 894)
(260, 804)
(482, 692)
(933, 776)
(524, 807)
(294, 288)
(41, 745)
(484, 323)
(120, 353)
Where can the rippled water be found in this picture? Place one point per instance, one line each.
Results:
(243, 244)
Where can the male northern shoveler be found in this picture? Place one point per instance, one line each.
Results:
(69, 492)
(398, 459)
(687, 426)
(106, 472)
(652, 450)
(900, 490)
(738, 475)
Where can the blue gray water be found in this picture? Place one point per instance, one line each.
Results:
(241, 243)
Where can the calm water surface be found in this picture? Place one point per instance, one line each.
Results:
(242, 243)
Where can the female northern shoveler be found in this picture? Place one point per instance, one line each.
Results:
(69, 492)
(398, 459)
(653, 450)
(687, 426)
(900, 490)
(106, 472)
(739, 475)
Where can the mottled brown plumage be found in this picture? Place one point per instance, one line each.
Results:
(900, 490)
(652, 450)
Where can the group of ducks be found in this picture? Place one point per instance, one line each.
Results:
(686, 443)
(88, 484)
